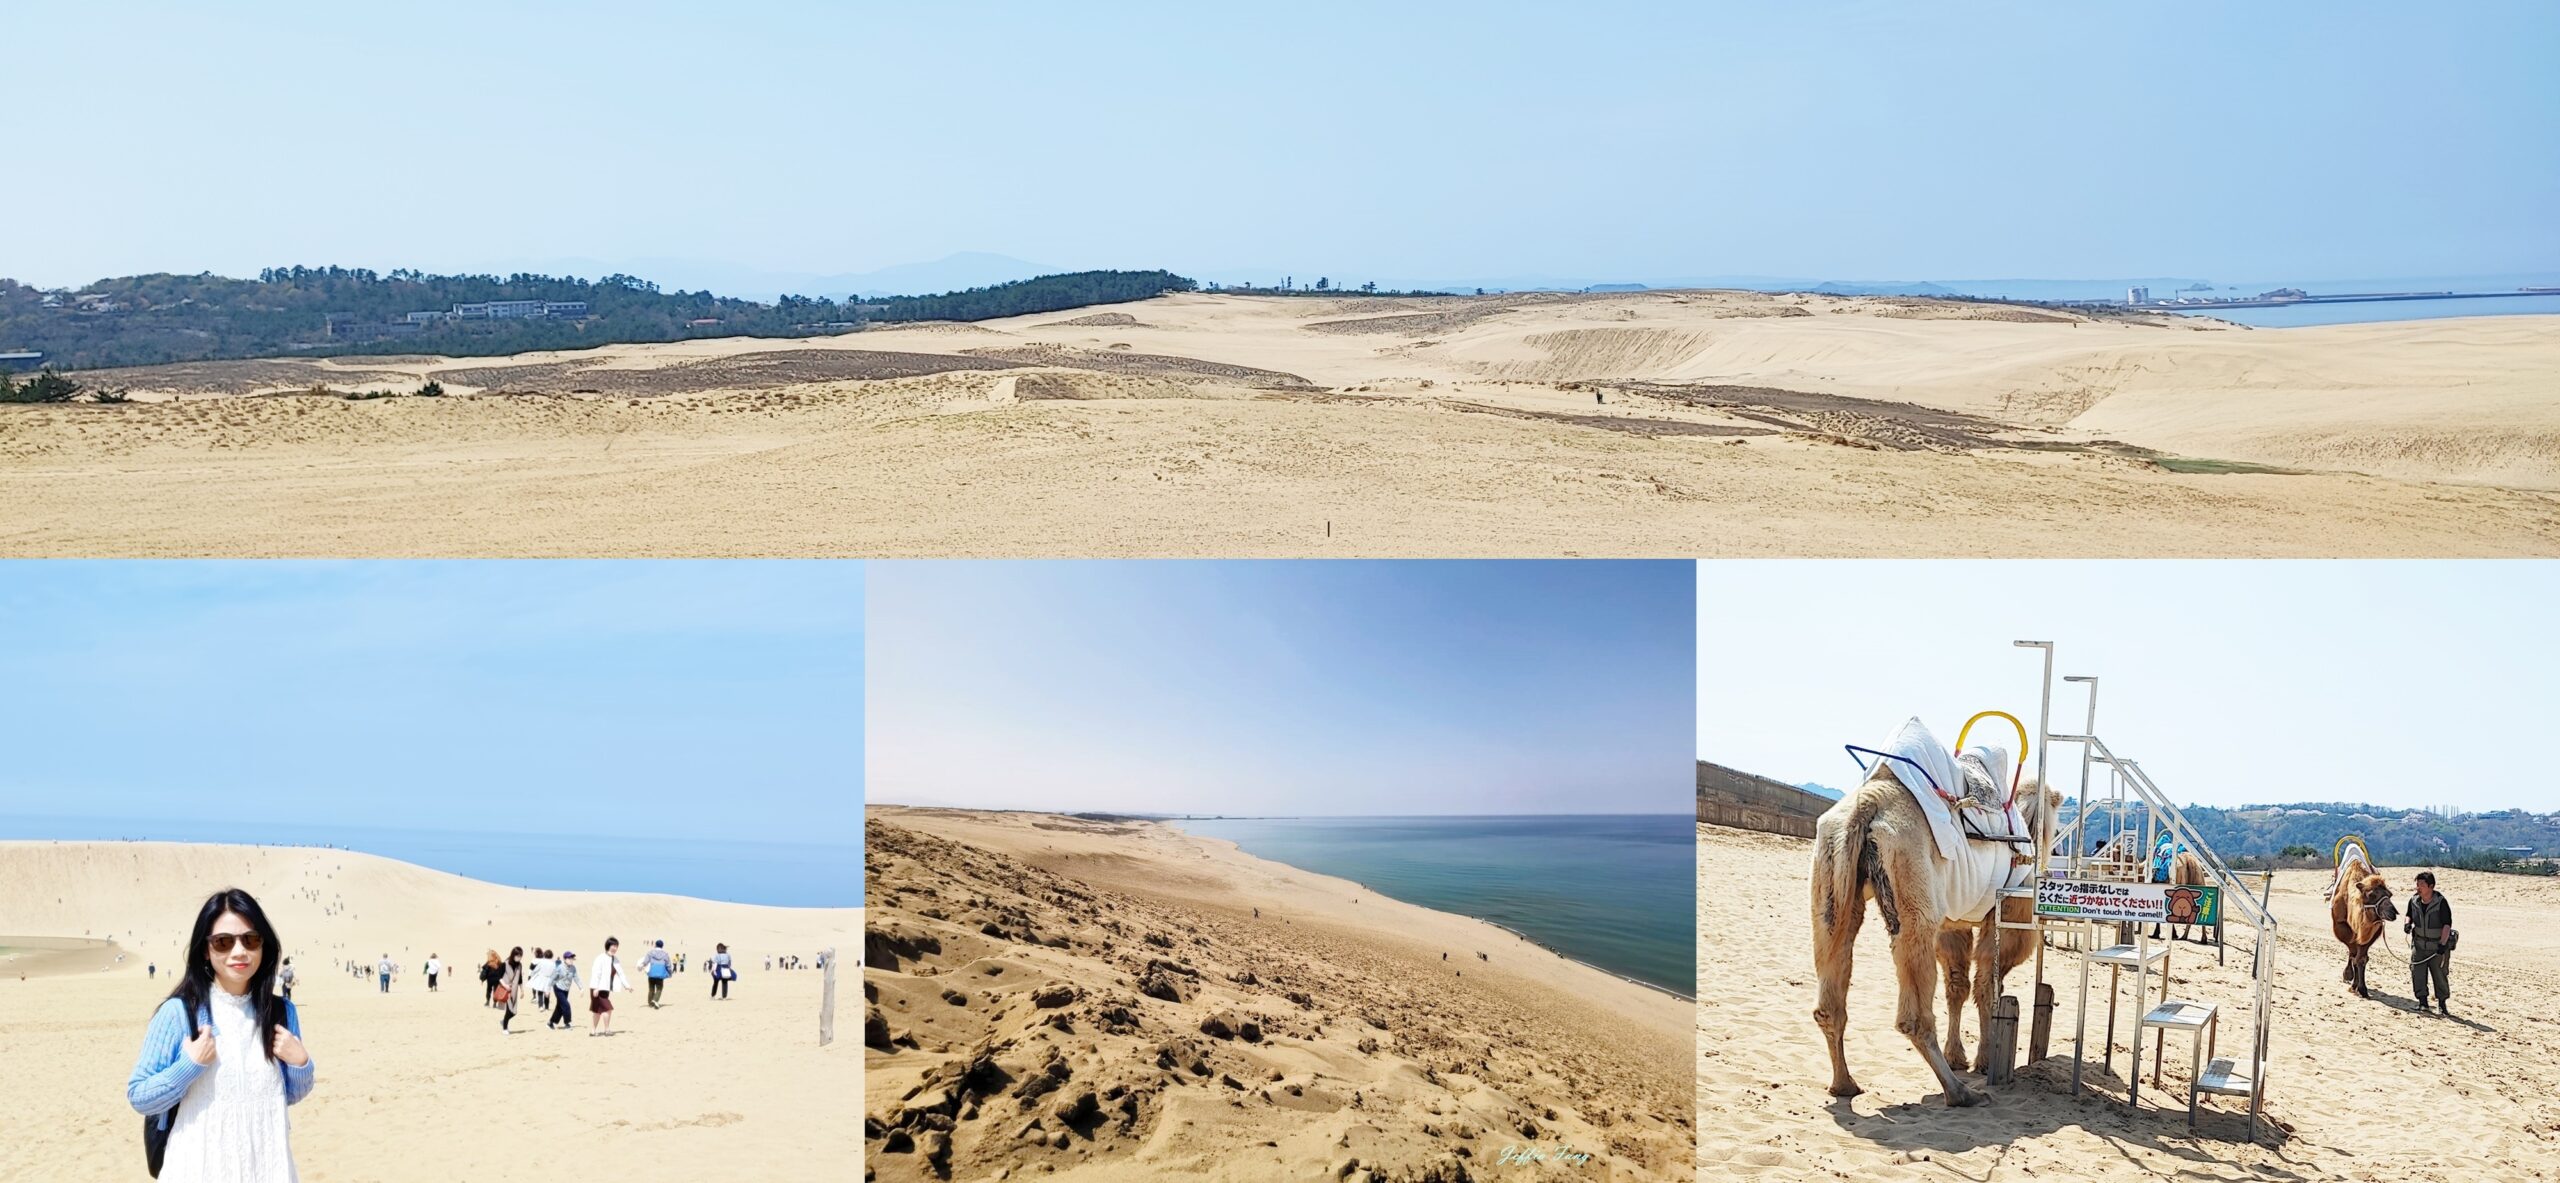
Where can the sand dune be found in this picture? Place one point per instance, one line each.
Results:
(2347, 1073)
(419, 1086)
(1116, 1001)
(1709, 423)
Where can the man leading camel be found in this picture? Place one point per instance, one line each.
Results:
(2431, 937)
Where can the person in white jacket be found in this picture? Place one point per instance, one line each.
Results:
(602, 981)
(537, 978)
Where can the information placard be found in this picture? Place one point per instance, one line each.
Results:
(2138, 903)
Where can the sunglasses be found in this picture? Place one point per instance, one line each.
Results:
(222, 941)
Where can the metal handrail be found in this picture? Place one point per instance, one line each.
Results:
(2260, 917)
(2184, 829)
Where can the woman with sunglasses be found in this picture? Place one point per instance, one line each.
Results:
(223, 1056)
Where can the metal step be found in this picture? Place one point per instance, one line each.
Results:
(2222, 1077)
(2178, 1014)
(2130, 956)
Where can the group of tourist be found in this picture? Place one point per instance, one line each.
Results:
(231, 1020)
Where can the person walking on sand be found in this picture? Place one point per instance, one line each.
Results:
(601, 983)
(510, 989)
(722, 973)
(284, 977)
(657, 966)
(223, 1056)
(2431, 940)
(537, 979)
(564, 982)
(490, 970)
(433, 967)
(384, 967)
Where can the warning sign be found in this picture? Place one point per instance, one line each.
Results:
(2139, 903)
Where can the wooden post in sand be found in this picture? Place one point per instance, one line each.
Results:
(2001, 1044)
(827, 1007)
(2040, 1033)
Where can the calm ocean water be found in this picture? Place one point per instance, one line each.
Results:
(780, 873)
(1620, 892)
(2295, 316)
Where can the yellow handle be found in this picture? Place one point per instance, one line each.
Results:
(2341, 847)
(2017, 770)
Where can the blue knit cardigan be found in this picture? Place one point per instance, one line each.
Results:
(163, 1072)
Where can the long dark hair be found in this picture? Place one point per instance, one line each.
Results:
(195, 987)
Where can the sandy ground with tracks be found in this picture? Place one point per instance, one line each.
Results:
(2359, 1090)
(414, 1085)
(1053, 997)
(1707, 423)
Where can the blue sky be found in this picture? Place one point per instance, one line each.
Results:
(1271, 688)
(2233, 682)
(637, 699)
(2302, 140)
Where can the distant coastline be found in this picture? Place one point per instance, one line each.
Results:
(772, 874)
(1573, 885)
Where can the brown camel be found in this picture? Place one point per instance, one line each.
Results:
(1874, 844)
(2359, 905)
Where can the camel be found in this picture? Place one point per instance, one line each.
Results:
(2359, 905)
(1874, 844)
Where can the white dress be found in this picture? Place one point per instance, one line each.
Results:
(231, 1126)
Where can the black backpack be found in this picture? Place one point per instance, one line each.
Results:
(155, 1139)
(155, 1126)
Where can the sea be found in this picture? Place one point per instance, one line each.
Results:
(1619, 891)
(2299, 315)
(2288, 316)
(782, 874)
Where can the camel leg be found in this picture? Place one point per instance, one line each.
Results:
(1835, 953)
(1915, 963)
(1955, 956)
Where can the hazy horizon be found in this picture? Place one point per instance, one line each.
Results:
(1066, 811)
(1347, 688)
(645, 700)
(963, 270)
(2233, 682)
(1861, 142)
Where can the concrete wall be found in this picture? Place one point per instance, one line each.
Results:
(1730, 797)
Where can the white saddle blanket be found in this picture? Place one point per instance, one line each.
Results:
(2353, 856)
(1971, 871)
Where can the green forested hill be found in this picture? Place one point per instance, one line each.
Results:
(154, 319)
(2396, 836)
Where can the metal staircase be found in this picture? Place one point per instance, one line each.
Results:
(2131, 794)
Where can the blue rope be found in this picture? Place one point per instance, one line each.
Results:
(1863, 766)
